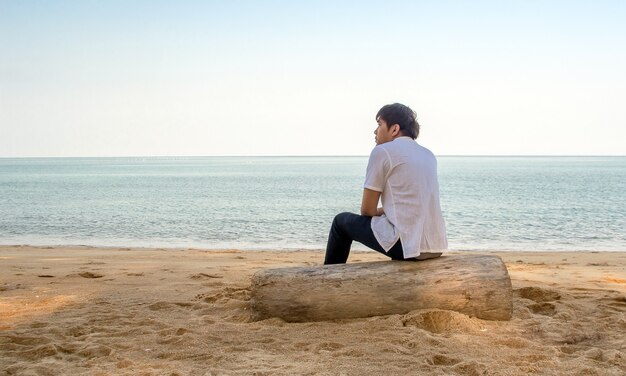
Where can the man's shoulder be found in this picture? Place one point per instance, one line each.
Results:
(402, 146)
(394, 145)
(380, 150)
(408, 150)
(401, 149)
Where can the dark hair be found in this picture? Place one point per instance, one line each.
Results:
(403, 116)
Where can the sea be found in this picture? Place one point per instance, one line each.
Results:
(288, 203)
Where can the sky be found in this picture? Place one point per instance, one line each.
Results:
(204, 78)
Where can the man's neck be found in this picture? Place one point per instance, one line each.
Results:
(400, 135)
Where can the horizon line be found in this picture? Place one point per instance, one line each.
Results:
(307, 156)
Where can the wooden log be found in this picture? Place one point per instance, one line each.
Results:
(476, 285)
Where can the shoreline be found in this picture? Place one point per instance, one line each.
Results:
(129, 310)
(355, 248)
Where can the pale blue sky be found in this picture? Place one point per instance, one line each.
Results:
(117, 78)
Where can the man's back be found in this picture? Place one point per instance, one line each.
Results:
(406, 174)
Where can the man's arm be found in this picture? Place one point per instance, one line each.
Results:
(369, 203)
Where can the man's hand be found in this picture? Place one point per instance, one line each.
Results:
(369, 203)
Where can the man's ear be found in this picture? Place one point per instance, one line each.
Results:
(395, 130)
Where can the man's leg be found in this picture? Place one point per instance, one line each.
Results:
(341, 236)
(348, 227)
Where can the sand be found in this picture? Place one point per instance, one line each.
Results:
(110, 311)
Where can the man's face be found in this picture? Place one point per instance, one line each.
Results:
(383, 134)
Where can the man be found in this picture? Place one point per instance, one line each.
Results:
(403, 175)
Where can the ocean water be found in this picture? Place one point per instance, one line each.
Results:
(489, 203)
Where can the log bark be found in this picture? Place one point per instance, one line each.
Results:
(476, 285)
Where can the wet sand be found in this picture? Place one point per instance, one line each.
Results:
(109, 311)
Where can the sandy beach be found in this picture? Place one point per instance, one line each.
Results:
(110, 311)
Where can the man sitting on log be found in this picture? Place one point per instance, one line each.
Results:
(403, 175)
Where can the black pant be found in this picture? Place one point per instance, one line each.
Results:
(348, 227)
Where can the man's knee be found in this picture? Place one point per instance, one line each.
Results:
(340, 221)
(342, 218)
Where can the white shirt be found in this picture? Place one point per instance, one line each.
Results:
(406, 175)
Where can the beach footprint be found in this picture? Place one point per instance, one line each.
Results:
(471, 368)
(442, 321)
(11, 286)
(205, 276)
(443, 360)
(225, 294)
(90, 275)
(537, 294)
(546, 309)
